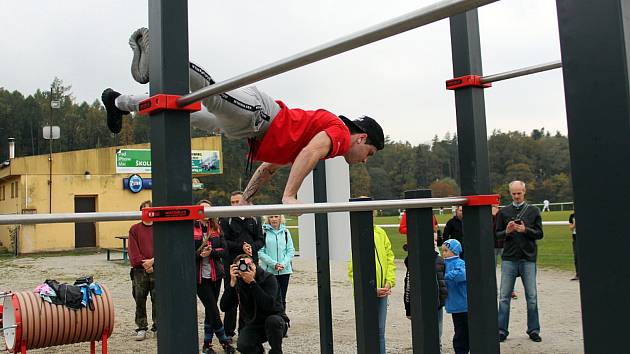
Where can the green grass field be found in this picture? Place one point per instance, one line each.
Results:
(554, 250)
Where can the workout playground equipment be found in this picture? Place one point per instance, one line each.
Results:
(592, 37)
(28, 322)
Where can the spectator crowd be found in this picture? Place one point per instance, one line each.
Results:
(252, 257)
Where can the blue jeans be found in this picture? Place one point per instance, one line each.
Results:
(527, 271)
(381, 305)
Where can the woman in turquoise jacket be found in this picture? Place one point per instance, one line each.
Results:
(277, 254)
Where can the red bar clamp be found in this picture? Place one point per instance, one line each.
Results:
(477, 200)
(173, 213)
(465, 81)
(162, 102)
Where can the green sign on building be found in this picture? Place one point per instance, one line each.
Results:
(203, 162)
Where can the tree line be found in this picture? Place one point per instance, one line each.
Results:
(538, 158)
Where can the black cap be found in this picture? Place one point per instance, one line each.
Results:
(370, 127)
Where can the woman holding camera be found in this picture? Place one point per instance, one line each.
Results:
(210, 248)
(277, 254)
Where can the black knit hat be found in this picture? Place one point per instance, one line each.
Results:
(370, 127)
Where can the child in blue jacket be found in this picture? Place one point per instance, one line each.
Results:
(457, 299)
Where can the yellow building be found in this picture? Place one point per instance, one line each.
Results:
(84, 180)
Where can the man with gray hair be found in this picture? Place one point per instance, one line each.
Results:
(520, 225)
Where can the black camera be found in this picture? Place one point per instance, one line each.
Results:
(242, 265)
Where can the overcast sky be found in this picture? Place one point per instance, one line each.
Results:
(398, 81)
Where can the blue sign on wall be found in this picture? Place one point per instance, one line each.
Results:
(136, 183)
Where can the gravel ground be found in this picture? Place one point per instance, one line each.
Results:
(558, 305)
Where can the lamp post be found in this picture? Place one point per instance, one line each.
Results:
(54, 104)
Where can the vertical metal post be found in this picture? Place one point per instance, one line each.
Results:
(364, 277)
(422, 277)
(475, 179)
(172, 176)
(323, 261)
(50, 147)
(595, 45)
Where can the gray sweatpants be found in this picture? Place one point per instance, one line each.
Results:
(242, 113)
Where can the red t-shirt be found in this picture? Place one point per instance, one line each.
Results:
(292, 129)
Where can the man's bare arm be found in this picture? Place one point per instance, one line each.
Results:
(263, 174)
(304, 163)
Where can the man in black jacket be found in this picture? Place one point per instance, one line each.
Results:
(520, 225)
(243, 235)
(454, 228)
(256, 292)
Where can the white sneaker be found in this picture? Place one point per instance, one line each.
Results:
(140, 335)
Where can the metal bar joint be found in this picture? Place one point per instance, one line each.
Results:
(173, 213)
(479, 200)
(164, 102)
(465, 81)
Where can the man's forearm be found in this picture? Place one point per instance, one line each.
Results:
(302, 166)
(262, 175)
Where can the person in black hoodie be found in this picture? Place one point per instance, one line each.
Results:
(520, 225)
(243, 235)
(256, 292)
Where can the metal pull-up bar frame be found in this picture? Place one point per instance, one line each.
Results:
(257, 210)
(409, 21)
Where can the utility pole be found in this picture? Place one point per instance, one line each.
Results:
(53, 104)
(50, 153)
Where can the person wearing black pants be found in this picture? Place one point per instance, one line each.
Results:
(277, 254)
(283, 286)
(460, 339)
(242, 236)
(261, 311)
(457, 299)
(210, 249)
(251, 337)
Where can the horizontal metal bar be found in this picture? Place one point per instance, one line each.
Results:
(69, 217)
(249, 210)
(521, 72)
(9, 327)
(395, 226)
(415, 19)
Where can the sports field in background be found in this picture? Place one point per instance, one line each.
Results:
(554, 250)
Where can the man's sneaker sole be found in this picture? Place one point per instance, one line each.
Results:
(139, 43)
(114, 115)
